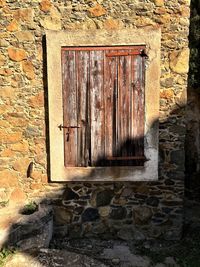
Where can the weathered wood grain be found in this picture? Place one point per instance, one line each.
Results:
(138, 106)
(103, 91)
(69, 107)
(110, 87)
(124, 77)
(97, 106)
(82, 78)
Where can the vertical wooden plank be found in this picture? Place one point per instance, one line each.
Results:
(124, 77)
(132, 130)
(82, 69)
(137, 117)
(134, 117)
(110, 100)
(97, 107)
(69, 107)
(142, 106)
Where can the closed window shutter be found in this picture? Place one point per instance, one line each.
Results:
(103, 92)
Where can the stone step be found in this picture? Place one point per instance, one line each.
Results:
(26, 231)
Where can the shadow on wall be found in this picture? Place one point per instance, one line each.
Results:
(194, 44)
(123, 210)
(192, 147)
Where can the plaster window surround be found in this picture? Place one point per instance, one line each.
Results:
(150, 38)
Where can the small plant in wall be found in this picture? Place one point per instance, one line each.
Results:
(4, 254)
(29, 208)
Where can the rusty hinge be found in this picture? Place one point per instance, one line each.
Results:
(144, 54)
(118, 54)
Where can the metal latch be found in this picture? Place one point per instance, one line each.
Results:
(68, 129)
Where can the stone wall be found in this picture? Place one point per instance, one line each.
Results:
(125, 210)
(194, 40)
(192, 145)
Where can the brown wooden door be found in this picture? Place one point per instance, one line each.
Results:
(103, 92)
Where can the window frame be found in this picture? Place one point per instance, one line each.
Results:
(150, 37)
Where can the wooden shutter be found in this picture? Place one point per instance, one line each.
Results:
(103, 92)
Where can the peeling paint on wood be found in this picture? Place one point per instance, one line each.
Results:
(104, 96)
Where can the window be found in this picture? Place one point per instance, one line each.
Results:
(103, 104)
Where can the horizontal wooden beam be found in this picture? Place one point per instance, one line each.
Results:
(127, 158)
(138, 48)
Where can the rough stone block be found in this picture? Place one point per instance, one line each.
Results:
(130, 233)
(118, 213)
(102, 198)
(90, 214)
(159, 2)
(97, 11)
(62, 215)
(178, 158)
(142, 215)
(17, 196)
(24, 36)
(24, 14)
(28, 68)
(16, 54)
(2, 3)
(45, 5)
(13, 26)
(8, 179)
(179, 61)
